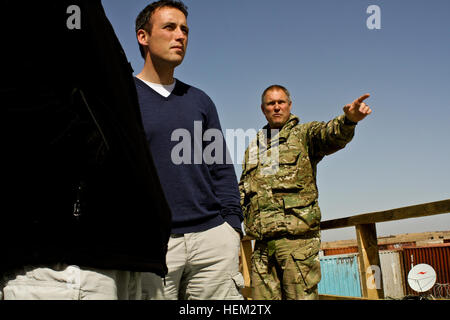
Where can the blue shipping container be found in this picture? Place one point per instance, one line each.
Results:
(340, 275)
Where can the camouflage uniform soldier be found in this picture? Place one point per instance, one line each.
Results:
(279, 194)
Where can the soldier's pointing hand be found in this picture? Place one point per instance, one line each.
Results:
(357, 110)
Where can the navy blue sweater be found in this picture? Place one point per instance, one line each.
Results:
(201, 194)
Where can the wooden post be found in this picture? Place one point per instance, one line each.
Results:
(246, 256)
(369, 261)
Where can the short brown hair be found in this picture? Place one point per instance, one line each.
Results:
(275, 87)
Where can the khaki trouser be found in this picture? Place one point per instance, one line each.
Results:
(286, 268)
(202, 265)
(64, 282)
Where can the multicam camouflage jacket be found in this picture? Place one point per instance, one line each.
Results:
(278, 183)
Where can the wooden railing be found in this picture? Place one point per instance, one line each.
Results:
(365, 225)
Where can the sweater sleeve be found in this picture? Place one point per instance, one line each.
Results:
(224, 180)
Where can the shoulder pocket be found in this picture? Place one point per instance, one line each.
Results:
(289, 156)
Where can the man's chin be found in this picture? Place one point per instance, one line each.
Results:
(276, 125)
(279, 122)
(177, 61)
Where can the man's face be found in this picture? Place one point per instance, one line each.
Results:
(276, 107)
(168, 39)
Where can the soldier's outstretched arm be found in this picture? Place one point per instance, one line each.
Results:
(327, 138)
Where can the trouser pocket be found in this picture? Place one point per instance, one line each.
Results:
(306, 260)
(237, 285)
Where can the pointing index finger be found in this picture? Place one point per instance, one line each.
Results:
(362, 98)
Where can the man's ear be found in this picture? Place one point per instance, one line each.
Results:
(142, 37)
(263, 109)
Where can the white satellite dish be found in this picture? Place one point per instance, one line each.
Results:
(422, 277)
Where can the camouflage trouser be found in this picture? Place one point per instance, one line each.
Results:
(286, 268)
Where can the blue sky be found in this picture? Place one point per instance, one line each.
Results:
(323, 52)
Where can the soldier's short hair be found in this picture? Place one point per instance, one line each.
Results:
(143, 20)
(275, 87)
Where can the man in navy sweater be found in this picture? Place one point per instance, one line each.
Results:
(203, 195)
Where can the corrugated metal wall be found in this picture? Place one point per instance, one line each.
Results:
(345, 250)
(354, 249)
(437, 256)
(395, 246)
(392, 274)
(340, 275)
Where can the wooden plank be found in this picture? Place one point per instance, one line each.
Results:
(416, 211)
(246, 256)
(369, 260)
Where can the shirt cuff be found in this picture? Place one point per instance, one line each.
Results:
(235, 222)
(348, 122)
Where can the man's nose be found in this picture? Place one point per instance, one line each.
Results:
(180, 35)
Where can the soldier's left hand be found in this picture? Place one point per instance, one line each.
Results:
(357, 110)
